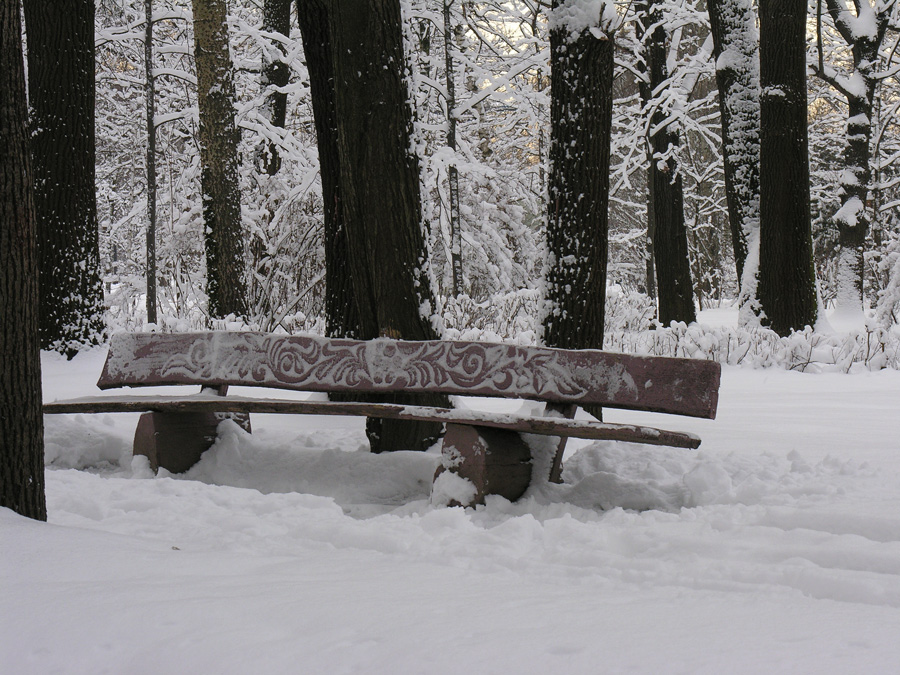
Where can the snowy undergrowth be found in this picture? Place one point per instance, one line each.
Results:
(807, 351)
(630, 329)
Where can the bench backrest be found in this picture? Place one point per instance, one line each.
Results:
(312, 363)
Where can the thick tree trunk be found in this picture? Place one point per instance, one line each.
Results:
(341, 319)
(21, 419)
(736, 50)
(787, 292)
(379, 173)
(60, 37)
(219, 137)
(276, 19)
(578, 211)
(379, 187)
(670, 246)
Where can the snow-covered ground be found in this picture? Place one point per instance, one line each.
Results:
(774, 548)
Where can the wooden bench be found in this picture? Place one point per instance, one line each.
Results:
(492, 450)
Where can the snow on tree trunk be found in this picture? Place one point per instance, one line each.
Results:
(21, 419)
(219, 137)
(60, 36)
(581, 63)
(864, 34)
(379, 186)
(736, 50)
(787, 291)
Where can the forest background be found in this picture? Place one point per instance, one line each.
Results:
(495, 56)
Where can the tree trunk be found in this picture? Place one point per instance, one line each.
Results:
(341, 318)
(60, 37)
(150, 108)
(452, 171)
(21, 419)
(670, 246)
(787, 291)
(379, 174)
(650, 259)
(736, 50)
(276, 19)
(379, 186)
(219, 137)
(581, 63)
(853, 217)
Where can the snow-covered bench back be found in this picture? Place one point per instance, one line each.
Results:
(312, 363)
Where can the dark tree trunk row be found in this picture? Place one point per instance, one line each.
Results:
(62, 100)
(21, 419)
(787, 292)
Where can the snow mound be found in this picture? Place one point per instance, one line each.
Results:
(362, 482)
(84, 442)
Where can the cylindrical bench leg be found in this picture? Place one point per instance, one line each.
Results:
(496, 461)
(174, 441)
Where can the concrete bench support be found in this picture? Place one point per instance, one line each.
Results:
(496, 461)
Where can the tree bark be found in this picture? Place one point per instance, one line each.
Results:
(670, 246)
(581, 66)
(379, 188)
(150, 112)
(219, 137)
(379, 173)
(736, 50)
(21, 419)
(787, 291)
(452, 171)
(60, 37)
(341, 319)
(853, 218)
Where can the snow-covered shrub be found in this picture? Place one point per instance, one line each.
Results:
(628, 312)
(504, 317)
(873, 348)
(631, 328)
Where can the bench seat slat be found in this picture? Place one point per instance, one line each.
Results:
(550, 426)
(312, 363)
